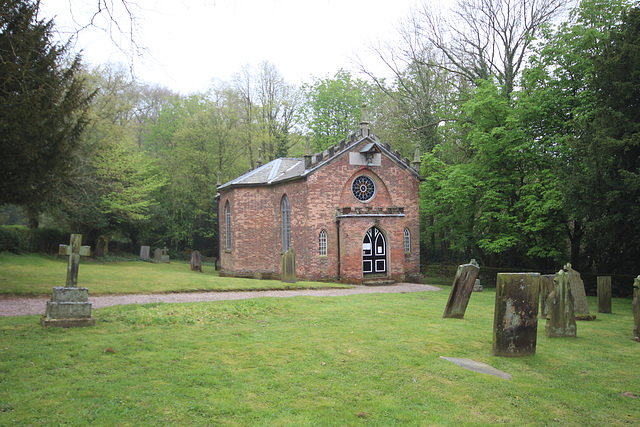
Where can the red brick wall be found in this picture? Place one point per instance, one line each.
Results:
(256, 216)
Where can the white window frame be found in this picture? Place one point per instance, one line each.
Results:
(322, 243)
(285, 208)
(407, 240)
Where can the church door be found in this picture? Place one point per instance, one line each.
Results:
(374, 252)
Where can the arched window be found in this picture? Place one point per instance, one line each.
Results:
(286, 224)
(407, 240)
(322, 243)
(227, 225)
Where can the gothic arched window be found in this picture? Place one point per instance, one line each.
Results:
(227, 225)
(322, 243)
(286, 224)
(407, 240)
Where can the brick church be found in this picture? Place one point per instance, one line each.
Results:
(350, 214)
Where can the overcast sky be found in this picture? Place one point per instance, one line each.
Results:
(191, 42)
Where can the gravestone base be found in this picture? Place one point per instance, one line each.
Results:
(68, 307)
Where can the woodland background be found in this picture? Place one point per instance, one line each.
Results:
(526, 113)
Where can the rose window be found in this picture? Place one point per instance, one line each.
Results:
(363, 188)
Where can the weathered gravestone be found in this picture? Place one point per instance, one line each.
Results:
(157, 255)
(546, 287)
(165, 256)
(196, 261)
(635, 306)
(477, 287)
(69, 305)
(561, 321)
(144, 252)
(461, 291)
(604, 294)
(289, 267)
(581, 308)
(515, 321)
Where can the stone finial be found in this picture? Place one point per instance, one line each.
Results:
(416, 159)
(364, 122)
(259, 162)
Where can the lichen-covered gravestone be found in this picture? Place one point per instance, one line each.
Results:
(581, 307)
(144, 252)
(604, 294)
(561, 321)
(289, 267)
(69, 305)
(196, 261)
(461, 291)
(635, 306)
(157, 255)
(515, 321)
(546, 287)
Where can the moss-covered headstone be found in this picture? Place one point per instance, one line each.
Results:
(515, 322)
(635, 306)
(461, 291)
(604, 294)
(561, 320)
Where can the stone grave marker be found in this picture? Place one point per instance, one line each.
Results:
(144, 252)
(165, 256)
(157, 255)
(561, 321)
(515, 321)
(604, 294)
(289, 267)
(463, 283)
(635, 307)
(196, 261)
(546, 287)
(477, 287)
(69, 305)
(581, 308)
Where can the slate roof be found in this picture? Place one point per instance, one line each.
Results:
(285, 169)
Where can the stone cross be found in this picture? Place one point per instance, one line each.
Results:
(75, 250)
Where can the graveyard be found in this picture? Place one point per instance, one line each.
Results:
(356, 360)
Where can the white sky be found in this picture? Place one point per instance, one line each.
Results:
(191, 42)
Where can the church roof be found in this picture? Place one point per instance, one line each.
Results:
(285, 169)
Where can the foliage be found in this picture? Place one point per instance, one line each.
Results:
(312, 361)
(43, 105)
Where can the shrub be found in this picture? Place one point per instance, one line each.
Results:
(47, 240)
(14, 238)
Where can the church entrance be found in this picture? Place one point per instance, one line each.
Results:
(374, 252)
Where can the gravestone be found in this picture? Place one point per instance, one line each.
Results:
(515, 321)
(289, 266)
(144, 252)
(604, 294)
(477, 287)
(102, 246)
(581, 308)
(157, 255)
(635, 307)
(463, 283)
(69, 305)
(561, 321)
(196, 261)
(165, 256)
(546, 287)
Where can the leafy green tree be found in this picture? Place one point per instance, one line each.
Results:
(333, 107)
(43, 108)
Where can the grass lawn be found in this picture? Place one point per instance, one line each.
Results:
(38, 274)
(308, 361)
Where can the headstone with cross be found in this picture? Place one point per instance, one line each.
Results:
(69, 305)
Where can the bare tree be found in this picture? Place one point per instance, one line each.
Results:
(484, 38)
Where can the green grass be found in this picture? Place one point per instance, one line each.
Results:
(336, 361)
(37, 274)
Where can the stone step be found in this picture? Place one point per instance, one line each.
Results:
(378, 281)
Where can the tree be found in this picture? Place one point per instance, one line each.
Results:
(43, 108)
(485, 38)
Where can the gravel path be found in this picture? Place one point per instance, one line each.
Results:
(21, 306)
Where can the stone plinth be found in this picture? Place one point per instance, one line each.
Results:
(561, 320)
(461, 291)
(604, 294)
(515, 322)
(68, 307)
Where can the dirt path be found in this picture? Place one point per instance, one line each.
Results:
(20, 306)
